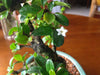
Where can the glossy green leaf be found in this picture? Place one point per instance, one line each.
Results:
(51, 5)
(52, 72)
(58, 40)
(49, 65)
(3, 14)
(36, 2)
(40, 61)
(44, 2)
(49, 18)
(20, 38)
(39, 15)
(28, 10)
(12, 30)
(57, 3)
(62, 71)
(43, 30)
(18, 57)
(26, 29)
(23, 57)
(10, 71)
(62, 19)
(34, 69)
(59, 66)
(14, 47)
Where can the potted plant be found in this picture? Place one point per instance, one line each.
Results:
(41, 30)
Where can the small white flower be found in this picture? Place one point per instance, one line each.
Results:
(22, 4)
(62, 31)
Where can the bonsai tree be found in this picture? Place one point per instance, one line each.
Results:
(39, 29)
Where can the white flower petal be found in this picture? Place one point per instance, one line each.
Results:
(62, 31)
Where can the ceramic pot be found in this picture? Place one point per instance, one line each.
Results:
(69, 58)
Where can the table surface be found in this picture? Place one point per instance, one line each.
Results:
(82, 43)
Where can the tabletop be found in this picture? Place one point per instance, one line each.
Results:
(82, 42)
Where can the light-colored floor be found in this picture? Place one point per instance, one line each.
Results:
(78, 10)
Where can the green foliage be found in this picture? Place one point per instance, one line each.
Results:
(34, 69)
(12, 30)
(62, 19)
(10, 71)
(7, 3)
(40, 61)
(62, 71)
(49, 18)
(20, 38)
(51, 5)
(57, 3)
(40, 14)
(48, 40)
(43, 2)
(58, 40)
(37, 15)
(49, 65)
(36, 2)
(52, 72)
(4, 14)
(29, 11)
(18, 57)
(14, 47)
(26, 29)
(43, 30)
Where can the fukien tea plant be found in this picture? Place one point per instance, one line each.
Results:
(39, 29)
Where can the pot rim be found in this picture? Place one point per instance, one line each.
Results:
(77, 65)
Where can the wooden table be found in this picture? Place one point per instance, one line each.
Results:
(82, 43)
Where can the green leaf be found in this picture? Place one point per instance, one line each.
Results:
(7, 3)
(36, 2)
(63, 71)
(44, 2)
(34, 69)
(52, 72)
(4, 14)
(57, 3)
(14, 29)
(20, 38)
(58, 40)
(39, 15)
(14, 47)
(18, 57)
(51, 5)
(10, 71)
(49, 18)
(43, 30)
(59, 66)
(23, 57)
(28, 10)
(49, 65)
(62, 19)
(40, 61)
(26, 29)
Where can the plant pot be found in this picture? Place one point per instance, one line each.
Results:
(71, 61)
(72, 65)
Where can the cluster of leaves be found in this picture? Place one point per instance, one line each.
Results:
(46, 67)
(19, 59)
(45, 23)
